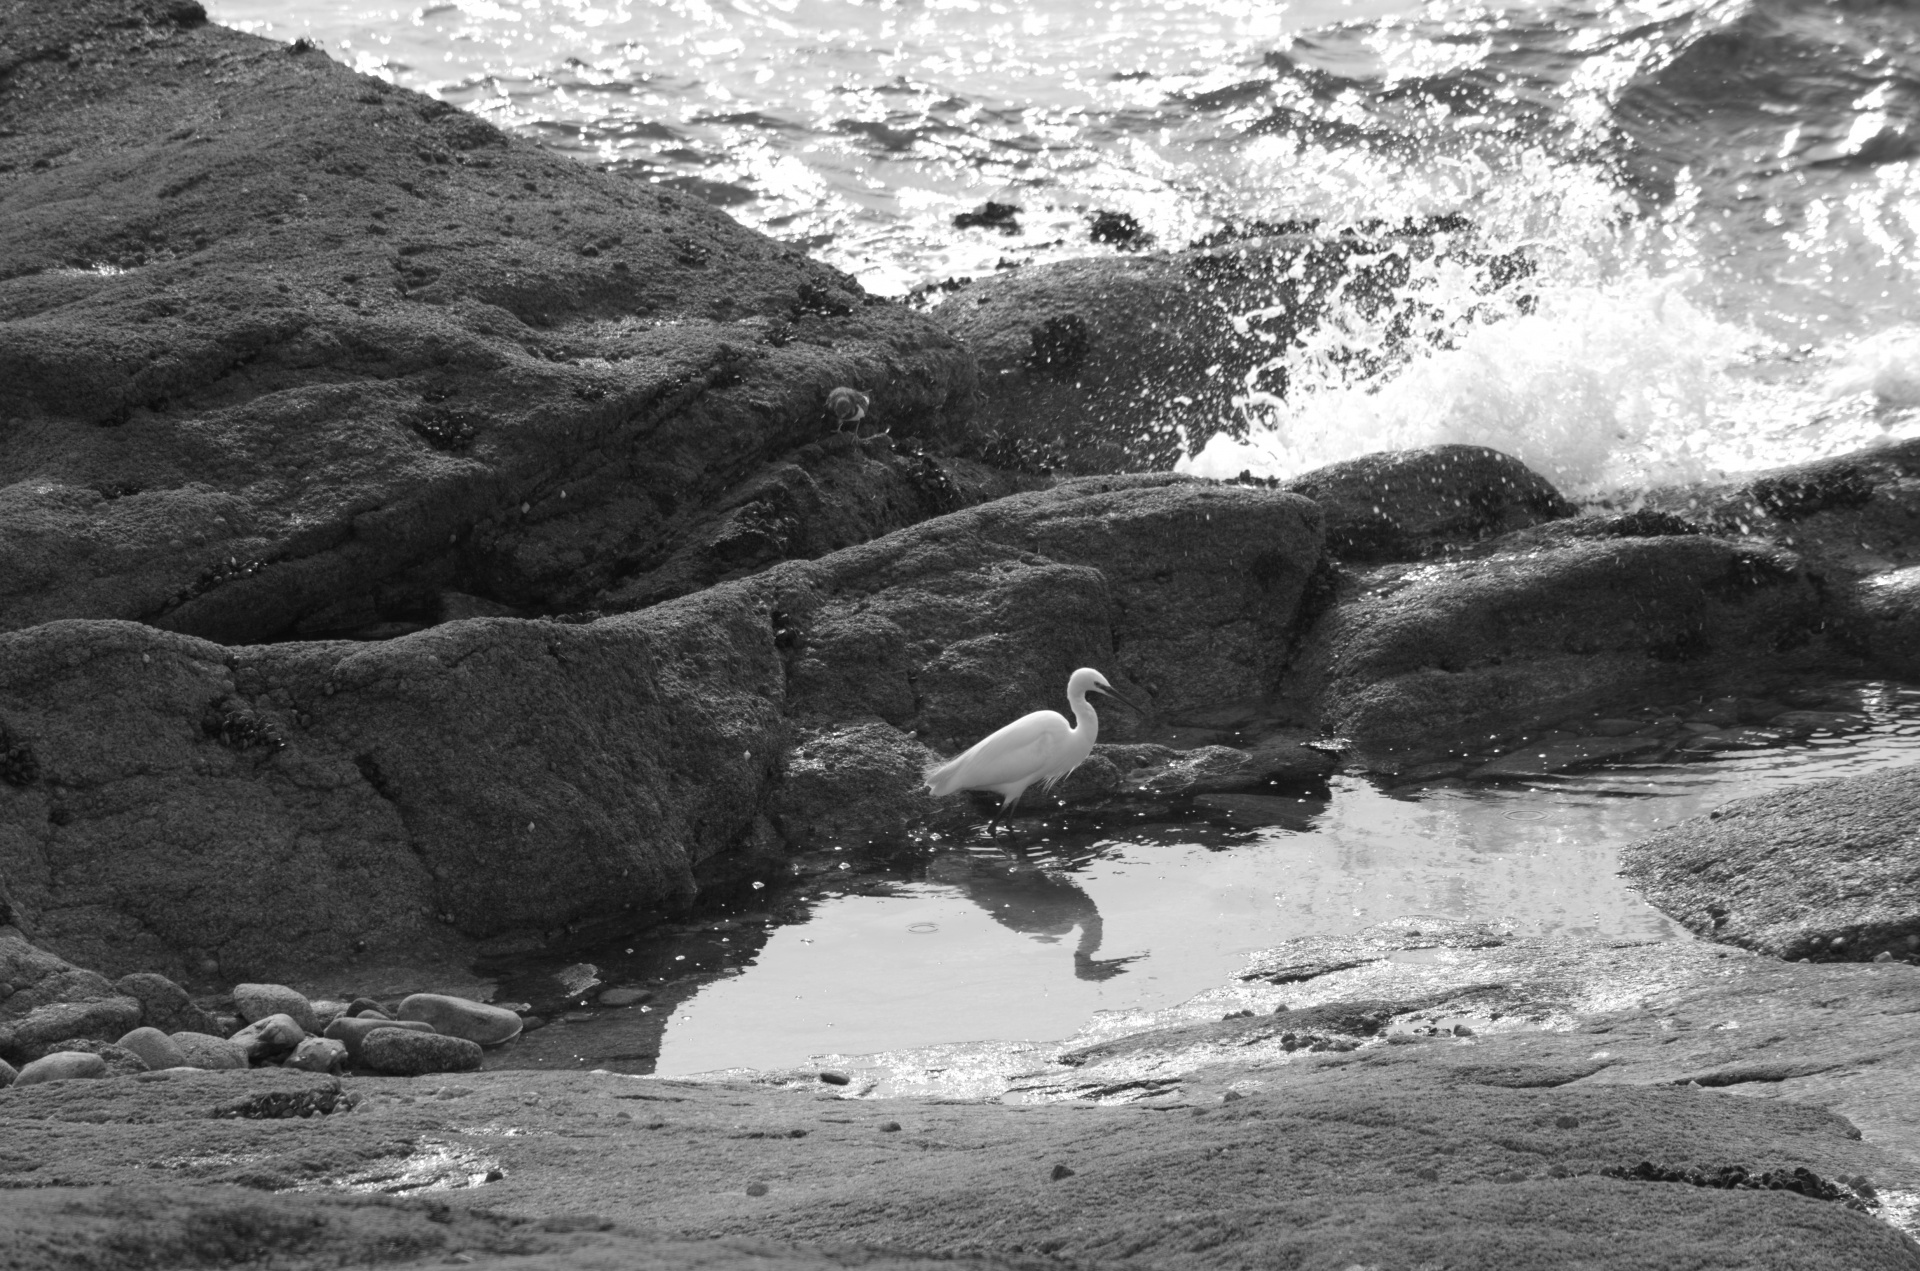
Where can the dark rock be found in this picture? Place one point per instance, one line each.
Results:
(833, 492)
(364, 1006)
(164, 1004)
(7, 1074)
(508, 775)
(154, 1048)
(951, 628)
(990, 215)
(1123, 363)
(408, 1054)
(1410, 504)
(66, 1065)
(281, 301)
(1118, 229)
(255, 1002)
(458, 1017)
(354, 1032)
(1827, 871)
(854, 783)
(1411, 658)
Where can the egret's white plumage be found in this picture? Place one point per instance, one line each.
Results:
(1040, 747)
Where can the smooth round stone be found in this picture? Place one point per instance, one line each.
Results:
(7, 1073)
(625, 997)
(273, 1035)
(402, 1053)
(256, 1002)
(204, 1050)
(361, 1005)
(61, 1065)
(458, 1017)
(155, 1047)
(353, 1032)
(318, 1054)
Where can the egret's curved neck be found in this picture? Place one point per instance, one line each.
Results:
(1084, 719)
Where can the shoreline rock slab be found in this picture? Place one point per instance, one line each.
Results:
(1827, 872)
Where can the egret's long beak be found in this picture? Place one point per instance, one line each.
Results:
(1123, 699)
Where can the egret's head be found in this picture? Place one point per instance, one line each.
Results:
(1088, 680)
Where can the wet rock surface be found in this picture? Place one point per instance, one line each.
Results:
(1829, 871)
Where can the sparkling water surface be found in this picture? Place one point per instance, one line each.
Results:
(1723, 201)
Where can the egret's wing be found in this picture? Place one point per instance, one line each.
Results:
(1021, 750)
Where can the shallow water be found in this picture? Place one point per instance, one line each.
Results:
(1025, 940)
(1721, 194)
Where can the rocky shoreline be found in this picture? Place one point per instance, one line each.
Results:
(416, 548)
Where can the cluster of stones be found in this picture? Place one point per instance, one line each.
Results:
(278, 1026)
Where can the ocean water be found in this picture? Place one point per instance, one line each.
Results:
(1722, 196)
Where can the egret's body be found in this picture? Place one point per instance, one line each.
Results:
(1040, 747)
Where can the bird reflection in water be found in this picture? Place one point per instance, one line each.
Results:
(1035, 898)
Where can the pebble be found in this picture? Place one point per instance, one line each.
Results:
(256, 1002)
(889, 1127)
(268, 1037)
(61, 1065)
(7, 1073)
(403, 1053)
(154, 1047)
(1061, 1171)
(318, 1054)
(836, 1078)
(625, 997)
(756, 1189)
(362, 1005)
(204, 1050)
(354, 1032)
(459, 1017)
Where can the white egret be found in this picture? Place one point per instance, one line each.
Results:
(1037, 747)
